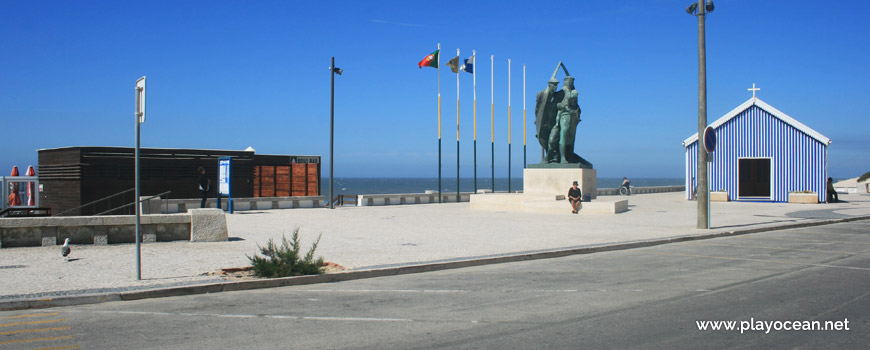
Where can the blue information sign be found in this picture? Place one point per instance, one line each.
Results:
(224, 176)
(710, 139)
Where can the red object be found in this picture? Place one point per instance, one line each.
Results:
(14, 199)
(31, 187)
(430, 61)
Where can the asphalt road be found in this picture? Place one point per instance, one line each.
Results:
(649, 298)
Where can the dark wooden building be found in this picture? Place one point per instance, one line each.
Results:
(74, 176)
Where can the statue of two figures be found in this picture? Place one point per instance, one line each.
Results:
(557, 114)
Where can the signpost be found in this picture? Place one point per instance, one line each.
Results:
(709, 140)
(140, 118)
(224, 176)
(709, 146)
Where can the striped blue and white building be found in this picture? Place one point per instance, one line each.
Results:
(761, 154)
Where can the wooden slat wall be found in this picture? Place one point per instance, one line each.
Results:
(298, 180)
(284, 181)
(313, 188)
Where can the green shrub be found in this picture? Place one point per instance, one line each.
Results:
(285, 260)
(864, 177)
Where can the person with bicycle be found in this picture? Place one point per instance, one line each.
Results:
(626, 185)
(574, 197)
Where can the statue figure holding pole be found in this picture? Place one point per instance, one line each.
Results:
(557, 114)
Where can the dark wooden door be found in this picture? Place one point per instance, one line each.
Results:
(754, 177)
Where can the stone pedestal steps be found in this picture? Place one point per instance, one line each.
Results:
(543, 203)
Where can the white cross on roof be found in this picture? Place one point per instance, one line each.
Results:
(753, 89)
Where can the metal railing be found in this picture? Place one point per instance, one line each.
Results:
(345, 199)
(133, 203)
(108, 198)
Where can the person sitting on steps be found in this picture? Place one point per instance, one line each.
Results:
(574, 197)
(833, 197)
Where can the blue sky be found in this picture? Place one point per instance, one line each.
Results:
(233, 74)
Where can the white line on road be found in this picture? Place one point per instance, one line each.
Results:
(376, 319)
(825, 242)
(387, 290)
(761, 260)
(286, 317)
(479, 291)
(775, 248)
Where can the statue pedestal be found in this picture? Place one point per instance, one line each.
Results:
(557, 181)
(545, 191)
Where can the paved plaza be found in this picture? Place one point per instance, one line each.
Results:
(361, 238)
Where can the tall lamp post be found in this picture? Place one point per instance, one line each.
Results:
(332, 72)
(699, 10)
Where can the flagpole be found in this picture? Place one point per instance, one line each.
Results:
(509, 125)
(524, 115)
(474, 86)
(492, 115)
(458, 197)
(439, 122)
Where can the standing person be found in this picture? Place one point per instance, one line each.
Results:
(575, 196)
(204, 185)
(833, 197)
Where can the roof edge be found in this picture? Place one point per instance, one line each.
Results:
(769, 109)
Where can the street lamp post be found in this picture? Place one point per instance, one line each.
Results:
(703, 194)
(332, 72)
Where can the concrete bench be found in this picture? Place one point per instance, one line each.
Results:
(200, 225)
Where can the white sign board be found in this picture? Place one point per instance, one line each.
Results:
(140, 99)
(224, 177)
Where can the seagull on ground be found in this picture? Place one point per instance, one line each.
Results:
(65, 250)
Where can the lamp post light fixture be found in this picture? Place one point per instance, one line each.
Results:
(699, 10)
(333, 70)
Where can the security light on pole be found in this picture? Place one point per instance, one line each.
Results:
(333, 70)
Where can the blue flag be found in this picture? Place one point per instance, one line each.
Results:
(469, 65)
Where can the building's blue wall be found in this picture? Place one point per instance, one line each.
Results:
(797, 160)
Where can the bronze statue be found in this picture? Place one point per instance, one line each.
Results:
(545, 114)
(557, 114)
(567, 117)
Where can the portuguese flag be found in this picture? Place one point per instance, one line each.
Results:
(430, 61)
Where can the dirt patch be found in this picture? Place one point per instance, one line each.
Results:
(247, 273)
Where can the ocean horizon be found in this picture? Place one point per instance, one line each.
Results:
(356, 186)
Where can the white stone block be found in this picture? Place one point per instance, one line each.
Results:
(208, 225)
(241, 205)
(558, 180)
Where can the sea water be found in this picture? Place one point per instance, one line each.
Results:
(351, 186)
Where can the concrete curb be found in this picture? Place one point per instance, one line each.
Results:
(389, 271)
